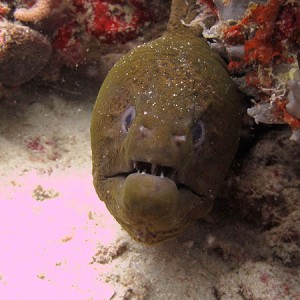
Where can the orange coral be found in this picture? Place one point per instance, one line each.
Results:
(287, 118)
(261, 48)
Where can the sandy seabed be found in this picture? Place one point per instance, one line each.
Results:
(58, 241)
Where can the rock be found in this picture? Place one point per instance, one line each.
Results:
(264, 192)
(23, 53)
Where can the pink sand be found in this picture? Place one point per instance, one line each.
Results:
(47, 246)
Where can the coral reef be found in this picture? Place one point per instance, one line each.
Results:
(261, 42)
(104, 21)
(76, 32)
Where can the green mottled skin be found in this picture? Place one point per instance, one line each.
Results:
(172, 82)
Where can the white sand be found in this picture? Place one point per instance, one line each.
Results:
(57, 240)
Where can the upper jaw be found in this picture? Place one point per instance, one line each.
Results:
(154, 169)
(143, 167)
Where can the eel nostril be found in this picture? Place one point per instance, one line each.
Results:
(179, 139)
(144, 131)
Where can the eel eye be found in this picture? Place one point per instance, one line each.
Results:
(198, 134)
(127, 118)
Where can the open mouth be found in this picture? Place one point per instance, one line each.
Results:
(154, 169)
(141, 167)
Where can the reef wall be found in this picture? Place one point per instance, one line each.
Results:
(259, 40)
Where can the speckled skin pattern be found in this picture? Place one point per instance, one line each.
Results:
(168, 108)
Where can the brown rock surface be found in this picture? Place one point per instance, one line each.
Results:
(23, 53)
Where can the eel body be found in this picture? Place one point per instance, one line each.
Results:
(165, 129)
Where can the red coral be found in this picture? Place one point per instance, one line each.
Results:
(274, 24)
(288, 22)
(210, 4)
(68, 45)
(117, 20)
(285, 116)
(235, 66)
(4, 10)
(267, 32)
(262, 48)
(234, 35)
(107, 20)
(79, 6)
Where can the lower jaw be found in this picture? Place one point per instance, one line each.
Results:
(144, 234)
(150, 238)
(150, 231)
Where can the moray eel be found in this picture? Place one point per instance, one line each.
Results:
(164, 131)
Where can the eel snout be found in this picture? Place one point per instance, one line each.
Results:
(153, 191)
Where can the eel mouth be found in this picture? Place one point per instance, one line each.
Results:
(154, 169)
(142, 167)
(170, 205)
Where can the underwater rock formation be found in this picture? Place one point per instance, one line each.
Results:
(261, 42)
(23, 53)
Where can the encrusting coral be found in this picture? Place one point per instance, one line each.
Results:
(260, 41)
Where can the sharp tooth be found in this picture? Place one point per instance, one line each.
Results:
(144, 172)
(134, 165)
(162, 174)
(153, 168)
(138, 171)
